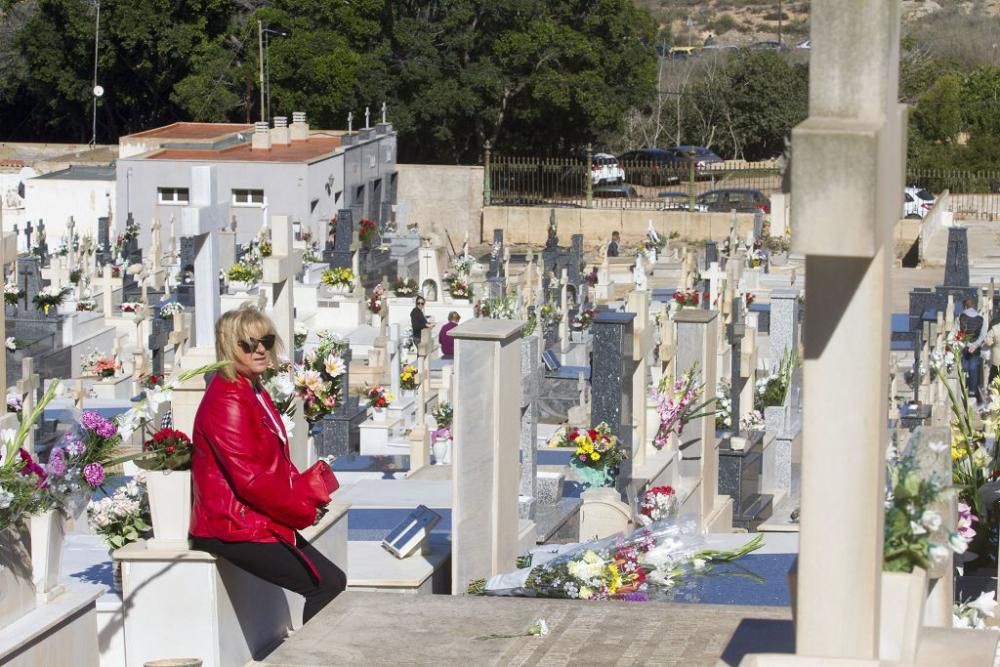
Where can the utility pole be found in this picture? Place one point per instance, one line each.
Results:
(260, 50)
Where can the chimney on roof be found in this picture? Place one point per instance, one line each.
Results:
(299, 128)
(261, 137)
(279, 135)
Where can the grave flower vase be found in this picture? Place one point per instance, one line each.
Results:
(48, 532)
(593, 478)
(238, 286)
(170, 507)
(17, 593)
(902, 614)
(442, 450)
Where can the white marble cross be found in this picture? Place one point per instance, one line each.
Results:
(179, 336)
(27, 388)
(107, 285)
(201, 220)
(853, 110)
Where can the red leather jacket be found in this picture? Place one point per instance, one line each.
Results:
(245, 487)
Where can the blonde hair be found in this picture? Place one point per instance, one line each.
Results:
(240, 324)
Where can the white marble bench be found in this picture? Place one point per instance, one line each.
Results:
(183, 604)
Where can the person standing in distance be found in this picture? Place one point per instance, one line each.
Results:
(613, 249)
(418, 321)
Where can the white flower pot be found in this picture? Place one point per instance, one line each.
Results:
(170, 508)
(379, 415)
(408, 394)
(238, 286)
(339, 290)
(17, 594)
(442, 451)
(48, 532)
(902, 613)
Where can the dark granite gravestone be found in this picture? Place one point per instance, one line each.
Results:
(711, 253)
(103, 252)
(158, 338)
(131, 250)
(337, 433)
(341, 255)
(611, 385)
(739, 477)
(956, 266)
(735, 331)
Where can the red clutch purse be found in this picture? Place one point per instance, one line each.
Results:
(321, 481)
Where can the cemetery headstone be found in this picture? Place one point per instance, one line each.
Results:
(611, 378)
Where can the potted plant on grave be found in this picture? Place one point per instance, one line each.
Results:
(86, 305)
(498, 308)
(584, 319)
(771, 391)
(404, 288)
(12, 294)
(171, 308)
(95, 364)
(376, 304)
(379, 399)
(366, 232)
(50, 297)
(596, 453)
(778, 247)
(677, 405)
(242, 276)
(458, 288)
(441, 437)
(75, 275)
(319, 380)
(167, 462)
(300, 334)
(686, 298)
(408, 379)
(340, 280)
(121, 518)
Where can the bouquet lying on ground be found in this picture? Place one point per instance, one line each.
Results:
(648, 564)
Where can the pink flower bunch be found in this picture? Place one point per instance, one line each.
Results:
(672, 408)
(965, 520)
(94, 474)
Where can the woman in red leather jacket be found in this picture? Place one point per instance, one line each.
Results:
(249, 499)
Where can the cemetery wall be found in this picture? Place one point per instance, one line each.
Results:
(450, 197)
(55, 200)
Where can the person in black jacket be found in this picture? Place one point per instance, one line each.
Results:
(418, 321)
(613, 246)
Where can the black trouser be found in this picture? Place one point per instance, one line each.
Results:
(280, 564)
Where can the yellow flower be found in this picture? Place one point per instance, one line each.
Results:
(595, 457)
(586, 593)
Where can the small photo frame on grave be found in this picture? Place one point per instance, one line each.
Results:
(412, 534)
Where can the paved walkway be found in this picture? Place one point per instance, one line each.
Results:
(387, 629)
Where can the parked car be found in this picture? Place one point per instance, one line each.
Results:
(677, 201)
(620, 191)
(917, 202)
(743, 200)
(605, 168)
(665, 166)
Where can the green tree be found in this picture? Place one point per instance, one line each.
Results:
(938, 114)
(981, 101)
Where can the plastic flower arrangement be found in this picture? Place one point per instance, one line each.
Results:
(377, 300)
(463, 265)
(240, 272)
(171, 308)
(280, 386)
(402, 287)
(378, 396)
(723, 405)
(772, 390)
(754, 421)
(677, 405)
(648, 564)
(914, 534)
(498, 308)
(12, 294)
(11, 344)
(14, 403)
(150, 381)
(657, 504)
(549, 314)
(458, 288)
(408, 377)
(973, 613)
(86, 305)
(300, 334)
(756, 258)
(50, 297)
(319, 380)
(23, 481)
(687, 298)
(443, 415)
(596, 453)
(168, 449)
(99, 365)
(338, 277)
(123, 517)
(366, 232)
(130, 306)
(584, 318)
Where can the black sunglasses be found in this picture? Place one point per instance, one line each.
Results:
(251, 346)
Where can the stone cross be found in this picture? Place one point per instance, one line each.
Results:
(27, 233)
(383, 111)
(367, 118)
(180, 335)
(564, 322)
(201, 220)
(279, 270)
(27, 389)
(159, 336)
(107, 284)
(853, 106)
(350, 122)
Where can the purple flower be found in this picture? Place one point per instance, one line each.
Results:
(75, 447)
(637, 596)
(94, 474)
(583, 457)
(57, 464)
(98, 424)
